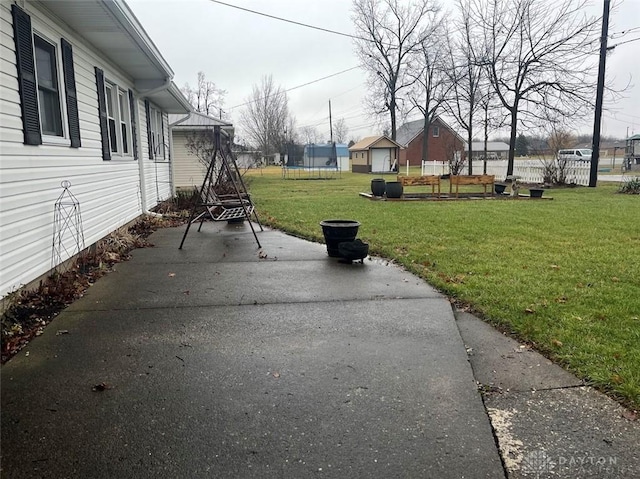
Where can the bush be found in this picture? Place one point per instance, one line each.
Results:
(631, 186)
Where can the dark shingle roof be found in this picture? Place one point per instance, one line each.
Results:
(408, 131)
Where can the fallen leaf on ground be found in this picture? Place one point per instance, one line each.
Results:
(630, 415)
(101, 387)
(555, 342)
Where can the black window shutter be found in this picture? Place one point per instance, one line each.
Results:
(134, 128)
(102, 115)
(26, 76)
(70, 91)
(147, 110)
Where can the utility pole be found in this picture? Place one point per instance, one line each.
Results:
(330, 125)
(595, 148)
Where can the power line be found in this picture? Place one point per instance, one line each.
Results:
(622, 43)
(623, 32)
(306, 25)
(299, 86)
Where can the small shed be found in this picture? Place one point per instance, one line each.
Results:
(188, 170)
(375, 154)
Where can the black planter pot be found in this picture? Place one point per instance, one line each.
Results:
(536, 192)
(378, 186)
(336, 232)
(500, 187)
(394, 189)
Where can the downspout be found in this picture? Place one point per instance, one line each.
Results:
(143, 196)
(143, 182)
(171, 165)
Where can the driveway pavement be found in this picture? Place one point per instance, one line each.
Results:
(220, 360)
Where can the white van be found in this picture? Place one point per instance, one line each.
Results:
(581, 154)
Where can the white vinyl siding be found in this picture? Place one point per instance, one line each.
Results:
(188, 171)
(109, 193)
(158, 173)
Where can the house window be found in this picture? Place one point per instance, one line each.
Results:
(111, 119)
(436, 131)
(118, 119)
(46, 84)
(48, 90)
(157, 136)
(125, 119)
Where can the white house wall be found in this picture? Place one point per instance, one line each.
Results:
(109, 192)
(188, 171)
(158, 173)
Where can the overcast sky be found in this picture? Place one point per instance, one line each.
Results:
(236, 48)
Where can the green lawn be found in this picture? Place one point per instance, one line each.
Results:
(562, 275)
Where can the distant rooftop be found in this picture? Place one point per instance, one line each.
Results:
(195, 120)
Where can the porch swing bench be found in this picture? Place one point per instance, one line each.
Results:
(226, 207)
(223, 195)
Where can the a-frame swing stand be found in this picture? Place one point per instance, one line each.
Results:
(223, 195)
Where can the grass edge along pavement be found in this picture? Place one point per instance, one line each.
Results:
(561, 275)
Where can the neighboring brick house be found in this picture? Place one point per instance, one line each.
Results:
(443, 142)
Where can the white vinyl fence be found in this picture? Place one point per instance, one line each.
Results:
(528, 171)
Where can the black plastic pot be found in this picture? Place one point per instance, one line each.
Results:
(500, 187)
(536, 192)
(336, 232)
(378, 186)
(394, 189)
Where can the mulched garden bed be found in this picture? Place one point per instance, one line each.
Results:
(25, 313)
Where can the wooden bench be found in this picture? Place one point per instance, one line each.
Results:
(429, 180)
(484, 180)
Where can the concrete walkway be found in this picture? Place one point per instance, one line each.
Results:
(224, 361)
(220, 361)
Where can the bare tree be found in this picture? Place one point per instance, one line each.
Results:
(201, 144)
(340, 131)
(465, 75)
(266, 117)
(431, 84)
(493, 118)
(206, 97)
(309, 134)
(455, 157)
(392, 31)
(539, 56)
(554, 166)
